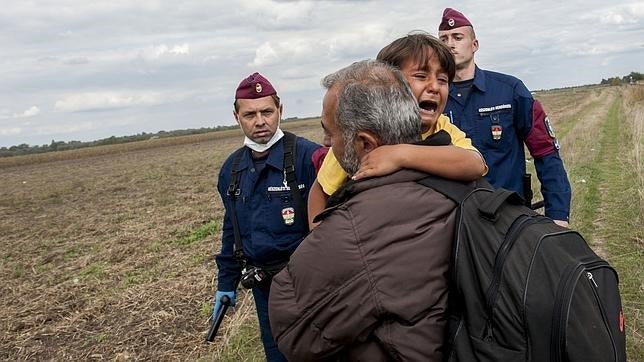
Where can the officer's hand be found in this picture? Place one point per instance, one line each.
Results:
(563, 223)
(217, 306)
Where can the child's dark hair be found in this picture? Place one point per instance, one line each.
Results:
(419, 47)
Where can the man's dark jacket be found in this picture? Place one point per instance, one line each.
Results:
(370, 282)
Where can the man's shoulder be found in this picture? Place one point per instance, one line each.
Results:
(234, 154)
(386, 198)
(389, 187)
(306, 144)
(227, 165)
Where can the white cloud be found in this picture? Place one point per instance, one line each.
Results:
(266, 54)
(77, 60)
(154, 52)
(65, 128)
(107, 100)
(624, 15)
(31, 112)
(289, 51)
(352, 45)
(361, 40)
(637, 9)
(612, 18)
(10, 131)
(271, 15)
(65, 34)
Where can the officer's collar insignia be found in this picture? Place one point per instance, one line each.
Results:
(258, 87)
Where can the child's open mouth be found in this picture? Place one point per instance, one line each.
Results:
(428, 106)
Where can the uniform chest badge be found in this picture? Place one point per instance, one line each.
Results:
(497, 131)
(288, 214)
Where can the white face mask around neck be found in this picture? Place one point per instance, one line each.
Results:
(263, 147)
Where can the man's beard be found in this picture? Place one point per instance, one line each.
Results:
(349, 161)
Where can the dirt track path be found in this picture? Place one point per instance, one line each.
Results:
(607, 206)
(581, 151)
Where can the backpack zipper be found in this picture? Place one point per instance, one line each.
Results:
(594, 287)
(499, 261)
(562, 301)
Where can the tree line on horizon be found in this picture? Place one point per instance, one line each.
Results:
(26, 149)
(632, 78)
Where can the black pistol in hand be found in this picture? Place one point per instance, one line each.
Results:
(216, 322)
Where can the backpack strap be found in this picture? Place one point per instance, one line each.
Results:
(454, 190)
(491, 205)
(233, 192)
(289, 175)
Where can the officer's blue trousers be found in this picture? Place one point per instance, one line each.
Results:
(260, 293)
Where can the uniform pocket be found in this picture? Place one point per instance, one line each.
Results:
(494, 129)
(280, 208)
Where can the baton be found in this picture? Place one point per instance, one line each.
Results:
(214, 326)
(528, 195)
(527, 190)
(537, 205)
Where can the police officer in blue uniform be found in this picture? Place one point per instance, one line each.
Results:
(261, 207)
(499, 114)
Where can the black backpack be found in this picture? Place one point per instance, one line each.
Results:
(523, 288)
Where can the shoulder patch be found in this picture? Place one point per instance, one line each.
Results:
(551, 131)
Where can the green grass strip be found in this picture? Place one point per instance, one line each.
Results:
(620, 223)
(245, 345)
(198, 234)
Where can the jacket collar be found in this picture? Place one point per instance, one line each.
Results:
(479, 79)
(479, 84)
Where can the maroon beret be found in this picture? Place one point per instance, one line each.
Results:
(255, 86)
(453, 19)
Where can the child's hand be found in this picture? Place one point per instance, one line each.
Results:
(379, 162)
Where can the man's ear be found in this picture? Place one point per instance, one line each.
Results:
(281, 110)
(365, 142)
(236, 117)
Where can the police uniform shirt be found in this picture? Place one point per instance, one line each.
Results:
(497, 115)
(266, 238)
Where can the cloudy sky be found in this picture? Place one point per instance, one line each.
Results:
(84, 70)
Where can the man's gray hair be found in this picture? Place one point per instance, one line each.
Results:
(373, 96)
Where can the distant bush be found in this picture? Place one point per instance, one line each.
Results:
(627, 79)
